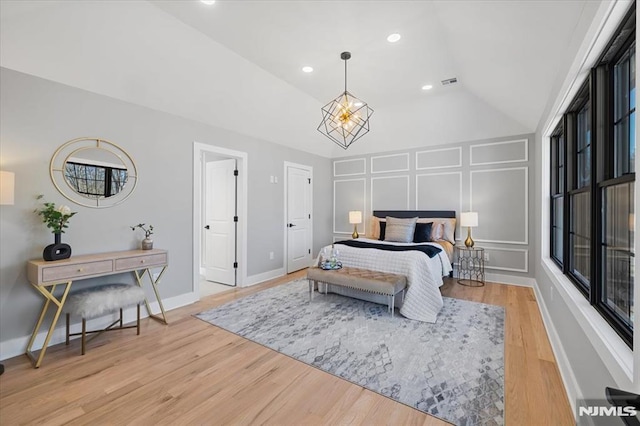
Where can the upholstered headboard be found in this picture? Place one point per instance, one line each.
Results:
(415, 213)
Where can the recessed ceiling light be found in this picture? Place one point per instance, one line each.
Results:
(427, 87)
(358, 104)
(307, 69)
(394, 37)
(208, 2)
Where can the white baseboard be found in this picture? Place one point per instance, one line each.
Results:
(265, 276)
(566, 372)
(18, 345)
(510, 279)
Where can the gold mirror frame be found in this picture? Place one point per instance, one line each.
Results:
(72, 147)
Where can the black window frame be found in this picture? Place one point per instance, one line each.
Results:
(598, 95)
(558, 181)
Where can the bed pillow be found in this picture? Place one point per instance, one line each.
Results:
(382, 228)
(400, 230)
(375, 228)
(449, 229)
(437, 231)
(422, 233)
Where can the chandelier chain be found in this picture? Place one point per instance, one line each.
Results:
(345, 75)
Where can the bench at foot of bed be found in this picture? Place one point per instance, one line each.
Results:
(359, 279)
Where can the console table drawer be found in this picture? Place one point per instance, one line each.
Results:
(140, 262)
(69, 272)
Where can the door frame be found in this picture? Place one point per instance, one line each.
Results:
(288, 164)
(198, 175)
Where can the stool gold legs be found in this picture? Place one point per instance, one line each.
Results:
(154, 285)
(96, 333)
(50, 298)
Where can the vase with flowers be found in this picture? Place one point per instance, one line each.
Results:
(56, 219)
(147, 243)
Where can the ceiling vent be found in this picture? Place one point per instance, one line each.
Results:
(449, 81)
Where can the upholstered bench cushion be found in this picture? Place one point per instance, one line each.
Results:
(360, 279)
(103, 299)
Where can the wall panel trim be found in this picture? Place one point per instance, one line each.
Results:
(518, 160)
(364, 167)
(405, 154)
(390, 177)
(488, 265)
(364, 203)
(459, 193)
(458, 148)
(526, 203)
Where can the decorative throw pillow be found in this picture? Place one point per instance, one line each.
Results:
(382, 228)
(422, 233)
(375, 228)
(449, 229)
(437, 231)
(400, 230)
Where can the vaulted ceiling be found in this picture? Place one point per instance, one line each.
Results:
(237, 64)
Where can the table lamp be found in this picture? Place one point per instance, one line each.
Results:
(470, 220)
(355, 217)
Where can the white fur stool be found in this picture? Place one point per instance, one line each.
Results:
(100, 300)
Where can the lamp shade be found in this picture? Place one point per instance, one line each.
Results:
(7, 185)
(469, 219)
(355, 217)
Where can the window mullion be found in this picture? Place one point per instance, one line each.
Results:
(568, 165)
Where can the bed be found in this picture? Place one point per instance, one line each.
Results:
(423, 300)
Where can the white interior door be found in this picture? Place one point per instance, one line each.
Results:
(220, 229)
(298, 219)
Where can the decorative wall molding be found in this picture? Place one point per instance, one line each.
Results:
(524, 269)
(362, 208)
(442, 177)
(525, 189)
(404, 169)
(524, 158)
(353, 160)
(459, 209)
(447, 166)
(373, 179)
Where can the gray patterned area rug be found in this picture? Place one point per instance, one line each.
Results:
(452, 369)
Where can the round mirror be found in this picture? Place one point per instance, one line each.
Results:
(93, 172)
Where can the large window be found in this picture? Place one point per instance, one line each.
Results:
(558, 149)
(593, 183)
(618, 211)
(580, 193)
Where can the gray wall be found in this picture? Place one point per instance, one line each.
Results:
(38, 116)
(491, 176)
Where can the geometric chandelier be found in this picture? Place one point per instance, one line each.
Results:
(346, 118)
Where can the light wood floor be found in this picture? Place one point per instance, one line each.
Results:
(190, 372)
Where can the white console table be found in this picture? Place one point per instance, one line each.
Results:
(46, 276)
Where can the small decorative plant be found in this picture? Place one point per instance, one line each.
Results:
(148, 231)
(55, 218)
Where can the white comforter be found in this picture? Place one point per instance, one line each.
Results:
(422, 300)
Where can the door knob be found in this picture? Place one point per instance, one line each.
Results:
(207, 227)
(291, 225)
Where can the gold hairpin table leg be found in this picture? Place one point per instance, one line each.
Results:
(154, 285)
(50, 298)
